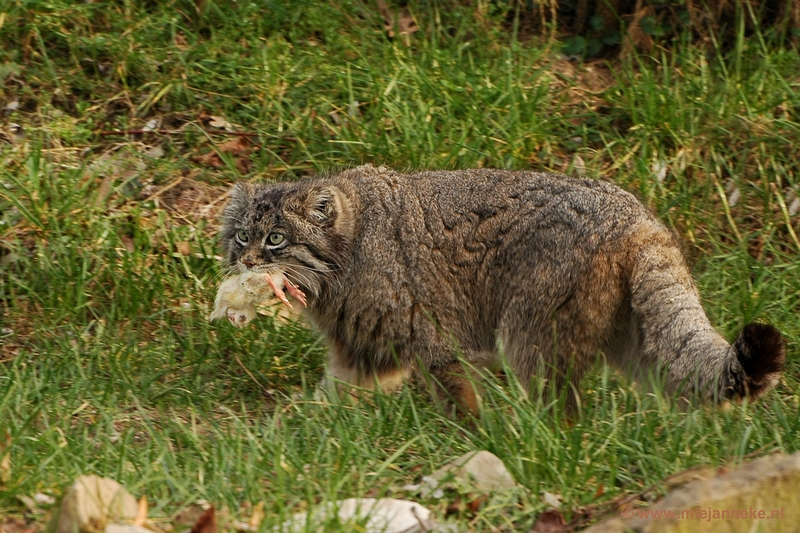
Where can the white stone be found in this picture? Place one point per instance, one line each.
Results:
(385, 515)
(482, 470)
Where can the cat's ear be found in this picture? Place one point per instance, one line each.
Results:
(241, 196)
(241, 193)
(320, 205)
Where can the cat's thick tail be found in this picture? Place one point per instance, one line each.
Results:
(760, 354)
(675, 337)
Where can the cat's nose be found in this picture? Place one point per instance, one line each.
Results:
(249, 263)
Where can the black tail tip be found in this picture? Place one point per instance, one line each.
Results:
(761, 351)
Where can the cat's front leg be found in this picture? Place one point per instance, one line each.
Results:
(346, 377)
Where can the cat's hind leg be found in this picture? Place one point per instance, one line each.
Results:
(455, 386)
(547, 372)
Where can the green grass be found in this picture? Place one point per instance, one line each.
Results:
(108, 364)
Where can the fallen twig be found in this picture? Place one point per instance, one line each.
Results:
(179, 132)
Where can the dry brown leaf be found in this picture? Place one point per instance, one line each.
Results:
(141, 516)
(183, 247)
(211, 159)
(207, 523)
(15, 134)
(216, 121)
(456, 506)
(220, 123)
(12, 525)
(402, 20)
(188, 516)
(181, 42)
(5, 459)
(551, 522)
(238, 147)
(471, 503)
(475, 504)
(43, 499)
(127, 241)
(30, 503)
(553, 500)
(257, 516)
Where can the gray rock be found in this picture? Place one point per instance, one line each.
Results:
(91, 503)
(481, 470)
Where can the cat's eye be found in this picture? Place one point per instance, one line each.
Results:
(275, 239)
(241, 236)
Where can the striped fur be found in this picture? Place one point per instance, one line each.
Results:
(404, 271)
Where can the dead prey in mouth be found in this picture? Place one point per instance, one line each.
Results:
(239, 295)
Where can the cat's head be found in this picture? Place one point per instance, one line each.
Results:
(304, 230)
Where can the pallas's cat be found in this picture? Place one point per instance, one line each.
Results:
(422, 272)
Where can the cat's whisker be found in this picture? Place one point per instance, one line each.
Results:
(304, 281)
(315, 270)
(218, 277)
